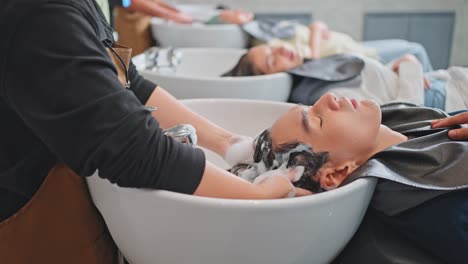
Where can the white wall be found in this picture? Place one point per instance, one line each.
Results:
(349, 17)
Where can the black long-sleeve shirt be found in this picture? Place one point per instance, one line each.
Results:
(61, 101)
(113, 3)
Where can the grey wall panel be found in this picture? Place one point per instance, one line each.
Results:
(386, 26)
(435, 32)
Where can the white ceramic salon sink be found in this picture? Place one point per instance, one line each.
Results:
(164, 227)
(198, 76)
(170, 34)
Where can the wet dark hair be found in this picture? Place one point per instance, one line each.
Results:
(244, 67)
(304, 156)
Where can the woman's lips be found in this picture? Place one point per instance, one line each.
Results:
(355, 103)
(290, 54)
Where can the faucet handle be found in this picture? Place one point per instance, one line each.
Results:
(151, 58)
(174, 57)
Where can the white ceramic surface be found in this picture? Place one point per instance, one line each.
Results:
(166, 227)
(169, 34)
(198, 76)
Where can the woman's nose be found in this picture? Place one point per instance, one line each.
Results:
(334, 102)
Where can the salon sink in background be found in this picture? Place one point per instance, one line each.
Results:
(198, 35)
(199, 71)
(166, 227)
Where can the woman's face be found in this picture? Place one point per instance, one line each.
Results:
(344, 128)
(268, 59)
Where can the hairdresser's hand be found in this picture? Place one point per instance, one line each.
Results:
(279, 183)
(241, 150)
(461, 133)
(412, 59)
(160, 9)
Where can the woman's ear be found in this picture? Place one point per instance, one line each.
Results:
(332, 177)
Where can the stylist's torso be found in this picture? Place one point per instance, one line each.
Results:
(65, 113)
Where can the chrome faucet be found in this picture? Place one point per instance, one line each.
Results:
(184, 133)
(174, 57)
(157, 59)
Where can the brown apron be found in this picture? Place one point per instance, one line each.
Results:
(60, 224)
(134, 29)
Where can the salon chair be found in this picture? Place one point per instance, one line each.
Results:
(376, 242)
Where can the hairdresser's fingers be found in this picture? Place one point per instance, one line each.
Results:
(275, 186)
(460, 134)
(461, 118)
(295, 174)
(178, 17)
(302, 192)
(156, 9)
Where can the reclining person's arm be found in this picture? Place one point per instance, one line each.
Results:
(317, 30)
(411, 82)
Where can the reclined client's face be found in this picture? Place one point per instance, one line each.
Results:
(344, 128)
(268, 60)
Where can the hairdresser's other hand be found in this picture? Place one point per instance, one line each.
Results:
(412, 59)
(460, 119)
(240, 150)
(279, 183)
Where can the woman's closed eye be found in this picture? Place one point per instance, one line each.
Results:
(321, 120)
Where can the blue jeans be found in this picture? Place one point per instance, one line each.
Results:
(392, 49)
(439, 226)
(457, 112)
(435, 96)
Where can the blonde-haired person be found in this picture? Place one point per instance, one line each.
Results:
(317, 40)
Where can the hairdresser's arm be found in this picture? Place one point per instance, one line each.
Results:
(171, 112)
(317, 31)
(220, 183)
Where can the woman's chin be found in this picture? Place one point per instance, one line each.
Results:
(371, 103)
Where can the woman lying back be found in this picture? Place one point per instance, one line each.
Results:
(401, 80)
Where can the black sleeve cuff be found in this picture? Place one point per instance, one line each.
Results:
(140, 86)
(189, 172)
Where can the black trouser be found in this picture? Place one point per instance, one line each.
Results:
(439, 226)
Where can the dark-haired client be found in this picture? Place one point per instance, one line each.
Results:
(423, 180)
